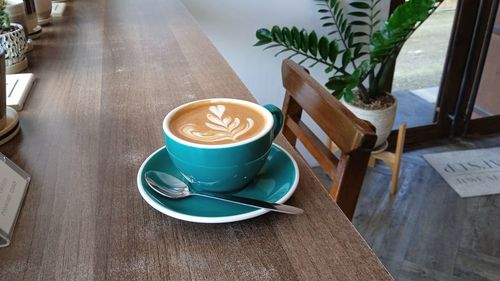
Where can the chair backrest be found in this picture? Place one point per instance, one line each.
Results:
(354, 137)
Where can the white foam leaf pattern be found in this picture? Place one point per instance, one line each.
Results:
(219, 128)
(215, 120)
(217, 110)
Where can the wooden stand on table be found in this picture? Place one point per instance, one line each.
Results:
(391, 159)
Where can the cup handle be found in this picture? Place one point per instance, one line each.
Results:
(278, 119)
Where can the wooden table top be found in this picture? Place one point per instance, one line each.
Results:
(107, 73)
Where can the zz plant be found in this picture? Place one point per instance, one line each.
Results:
(357, 39)
(4, 16)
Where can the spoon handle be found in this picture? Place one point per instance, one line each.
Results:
(282, 208)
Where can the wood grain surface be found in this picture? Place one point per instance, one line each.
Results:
(107, 73)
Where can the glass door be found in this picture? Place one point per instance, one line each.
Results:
(437, 93)
(483, 110)
(419, 68)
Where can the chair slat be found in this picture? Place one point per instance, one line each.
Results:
(313, 144)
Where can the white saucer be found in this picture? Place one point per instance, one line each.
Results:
(276, 182)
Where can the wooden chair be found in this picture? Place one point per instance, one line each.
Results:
(354, 137)
(391, 159)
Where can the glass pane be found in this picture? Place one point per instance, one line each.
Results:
(419, 68)
(488, 95)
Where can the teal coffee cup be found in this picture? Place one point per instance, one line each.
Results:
(220, 144)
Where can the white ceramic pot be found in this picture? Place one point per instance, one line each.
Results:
(382, 119)
(14, 45)
(43, 9)
(34, 30)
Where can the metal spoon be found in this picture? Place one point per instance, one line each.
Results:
(172, 187)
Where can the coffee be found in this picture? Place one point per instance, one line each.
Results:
(214, 122)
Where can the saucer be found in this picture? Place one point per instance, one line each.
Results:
(276, 182)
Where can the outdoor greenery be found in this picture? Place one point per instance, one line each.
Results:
(357, 38)
(4, 17)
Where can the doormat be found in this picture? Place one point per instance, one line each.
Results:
(469, 172)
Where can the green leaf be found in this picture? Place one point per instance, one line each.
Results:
(263, 34)
(343, 25)
(336, 7)
(277, 35)
(287, 36)
(359, 14)
(348, 95)
(333, 51)
(338, 13)
(346, 58)
(337, 83)
(376, 3)
(313, 43)
(395, 31)
(272, 46)
(360, 34)
(350, 40)
(296, 39)
(341, 22)
(325, 17)
(360, 5)
(323, 47)
(348, 32)
(304, 42)
(262, 42)
(359, 22)
(357, 50)
(323, 11)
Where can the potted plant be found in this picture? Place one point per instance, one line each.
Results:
(12, 41)
(359, 53)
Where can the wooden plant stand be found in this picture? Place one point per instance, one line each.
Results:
(391, 159)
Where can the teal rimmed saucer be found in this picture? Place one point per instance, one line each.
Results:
(276, 182)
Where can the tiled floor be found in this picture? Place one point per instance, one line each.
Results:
(425, 231)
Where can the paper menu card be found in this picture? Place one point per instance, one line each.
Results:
(13, 185)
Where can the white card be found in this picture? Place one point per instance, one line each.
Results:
(18, 88)
(13, 185)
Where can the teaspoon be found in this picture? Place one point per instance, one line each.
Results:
(172, 187)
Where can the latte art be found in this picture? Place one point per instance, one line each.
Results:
(218, 123)
(218, 127)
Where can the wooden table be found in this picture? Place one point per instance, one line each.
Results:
(108, 72)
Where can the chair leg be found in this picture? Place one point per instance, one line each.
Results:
(372, 162)
(397, 158)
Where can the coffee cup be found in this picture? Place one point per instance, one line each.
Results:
(220, 144)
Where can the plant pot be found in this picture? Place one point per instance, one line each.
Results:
(17, 13)
(14, 44)
(43, 9)
(382, 119)
(34, 30)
